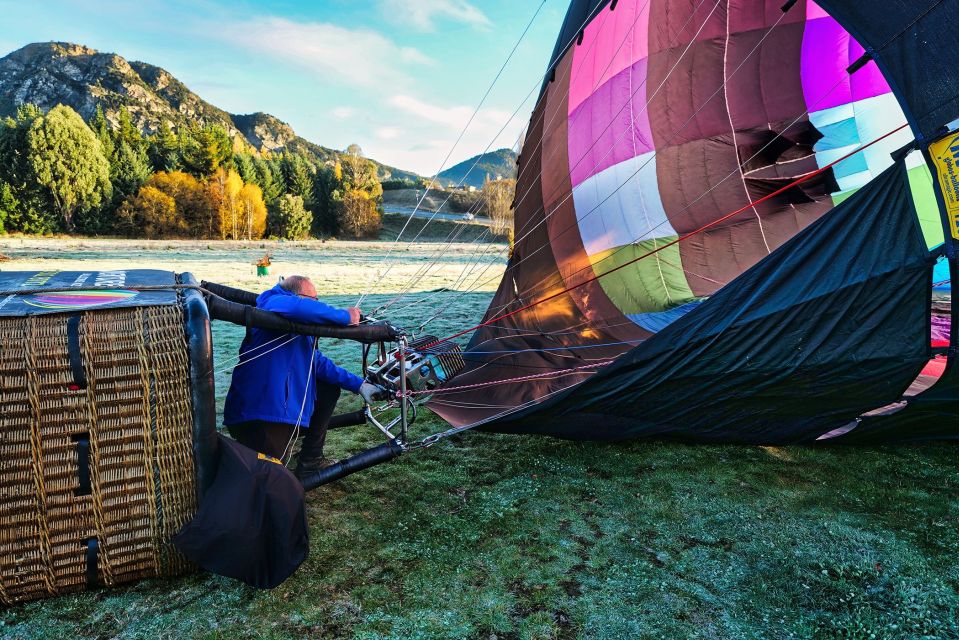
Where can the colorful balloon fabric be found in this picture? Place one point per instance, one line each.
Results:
(659, 117)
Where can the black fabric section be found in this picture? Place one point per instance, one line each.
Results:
(829, 326)
(350, 419)
(93, 551)
(83, 464)
(200, 345)
(73, 348)
(240, 296)
(222, 309)
(363, 460)
(252, 523)
(914, 42)
(248, 321)
(931, 415)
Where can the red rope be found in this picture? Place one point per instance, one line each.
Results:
(750, 205)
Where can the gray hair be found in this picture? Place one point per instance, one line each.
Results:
(296, 284)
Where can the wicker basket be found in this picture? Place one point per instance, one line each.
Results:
(95, 478)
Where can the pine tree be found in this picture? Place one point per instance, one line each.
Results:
(266, 178)
(207, 150)
(297, 177)
(164, 150)
(327, 190)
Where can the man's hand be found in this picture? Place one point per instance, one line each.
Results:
(372, 392)
(355, 315)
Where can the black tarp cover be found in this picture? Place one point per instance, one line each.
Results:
(833, 324)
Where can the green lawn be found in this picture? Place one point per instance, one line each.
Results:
(495, 536)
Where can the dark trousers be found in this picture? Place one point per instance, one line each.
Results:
(273, 438)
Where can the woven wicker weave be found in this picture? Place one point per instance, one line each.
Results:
(136, 410)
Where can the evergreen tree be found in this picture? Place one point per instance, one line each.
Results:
(101, 128)
(266, 177)
(129, 169)
(207, 150)
(327, 190)
(9, 205)
(128, 132)
(69, 167)
(297, 177)
(243, 163)
(290, 220)
(164, 150)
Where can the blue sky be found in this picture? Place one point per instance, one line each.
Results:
(399, 77)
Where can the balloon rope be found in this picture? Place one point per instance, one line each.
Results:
(679, 239)
(458, 139)
(417, 277)
(536, 376)
(523, 232)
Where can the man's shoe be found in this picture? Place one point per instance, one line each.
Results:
(308, 466)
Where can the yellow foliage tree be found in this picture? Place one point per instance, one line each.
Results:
(153, 214)
(190, 195)
(254, 211)
(359, 217)
(224, 193)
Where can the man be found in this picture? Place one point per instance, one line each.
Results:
(283, 383)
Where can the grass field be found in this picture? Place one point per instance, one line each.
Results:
(499, 537)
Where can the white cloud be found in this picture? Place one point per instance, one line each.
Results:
(360, 57)
(388, 133)
(422, 14)
(454, 117)
(426, 131)
(343, 112)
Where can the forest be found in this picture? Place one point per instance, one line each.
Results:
(60, 174)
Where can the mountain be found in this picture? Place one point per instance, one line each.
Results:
(494, 164)
(51, 73)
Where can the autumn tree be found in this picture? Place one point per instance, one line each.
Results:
(253, 210)
(498, 196)
(358, 214)
(224, 191)
(68, 163)
(190, 197)
(358, 195)
(151, 214)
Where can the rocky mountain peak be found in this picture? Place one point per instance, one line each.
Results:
(50, 73)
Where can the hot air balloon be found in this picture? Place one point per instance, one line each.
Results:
(726, 227)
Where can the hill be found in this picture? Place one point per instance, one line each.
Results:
(500, 163)
(51, 73)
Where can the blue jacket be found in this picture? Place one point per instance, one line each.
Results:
(270, 381)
